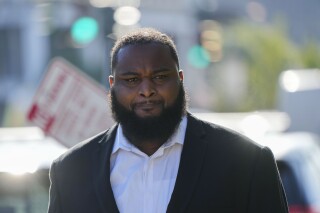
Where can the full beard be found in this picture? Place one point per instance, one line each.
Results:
(160, 128)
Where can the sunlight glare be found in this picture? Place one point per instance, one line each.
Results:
(17, 161)
(290, 81)
(254, 126)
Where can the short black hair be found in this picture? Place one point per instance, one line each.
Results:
(143, 36)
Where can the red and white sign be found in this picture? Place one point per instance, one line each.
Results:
(70, 106)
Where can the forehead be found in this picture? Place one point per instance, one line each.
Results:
(151, 54)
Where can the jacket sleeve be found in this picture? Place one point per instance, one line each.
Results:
(266, 190)
(54, 203)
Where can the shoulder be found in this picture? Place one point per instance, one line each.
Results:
(86, 148)
(234, 149)
(221, 137)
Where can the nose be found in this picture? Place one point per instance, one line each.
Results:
(147, 88)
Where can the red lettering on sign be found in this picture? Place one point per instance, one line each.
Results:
(52, 96)
(33, 111)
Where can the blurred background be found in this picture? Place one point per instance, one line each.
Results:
(249, 65)
(232, 52)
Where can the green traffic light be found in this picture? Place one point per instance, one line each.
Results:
(84, 30)
(199, 57)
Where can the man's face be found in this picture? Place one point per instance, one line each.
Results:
(147, 93)
(146, 79)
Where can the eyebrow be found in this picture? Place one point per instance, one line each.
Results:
(155, 71)
(162, 69)
(128, 73)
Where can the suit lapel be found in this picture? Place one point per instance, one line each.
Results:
(101, 172)
(189, 169)
(192, 157)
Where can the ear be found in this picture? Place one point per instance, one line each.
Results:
(181, 75)
(111, 80)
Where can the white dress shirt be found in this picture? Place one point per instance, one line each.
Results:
(142, 183)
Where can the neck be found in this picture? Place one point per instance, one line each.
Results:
(148, 147)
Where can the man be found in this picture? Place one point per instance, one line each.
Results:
(158, 157)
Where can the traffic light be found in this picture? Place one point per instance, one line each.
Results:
(199, 57)
(209, 49)
(84, 30)
(211, 39)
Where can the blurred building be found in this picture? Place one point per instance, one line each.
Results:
(32, 33)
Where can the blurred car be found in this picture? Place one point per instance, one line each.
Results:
(298, 159)
(25, 157)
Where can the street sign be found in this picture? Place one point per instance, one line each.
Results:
(69, 105)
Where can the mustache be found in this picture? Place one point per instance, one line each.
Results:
(147, 102)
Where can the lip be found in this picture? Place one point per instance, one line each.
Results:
(148, 106)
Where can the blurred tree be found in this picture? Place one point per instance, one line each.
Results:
(310, 54)
(266, 51)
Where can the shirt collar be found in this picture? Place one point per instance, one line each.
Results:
(121, 142)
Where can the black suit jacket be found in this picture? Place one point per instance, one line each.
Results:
(220, 171)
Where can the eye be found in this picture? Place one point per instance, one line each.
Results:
(132, 81)
(160, 77)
